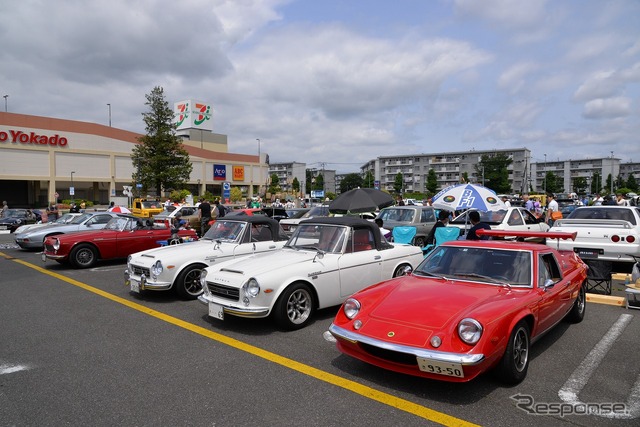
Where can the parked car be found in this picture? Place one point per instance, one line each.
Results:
(179, 268)
(297, 212)
(34, 238)
(188, 213)
(146, 208)
(275, 213)
(469, 307)
(421, 217)
(606, 233)
(324, 261)
(289, 225)
(515, 218)
(121, 237)
(64, 219)
(14, 218)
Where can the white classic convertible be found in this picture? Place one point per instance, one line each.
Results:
(178, 266)
(323, 263)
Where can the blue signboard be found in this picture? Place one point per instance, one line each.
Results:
(219, 172)
(226, 190)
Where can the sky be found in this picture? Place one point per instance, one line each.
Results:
(336, 82)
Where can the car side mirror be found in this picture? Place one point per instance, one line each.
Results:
(548, 284)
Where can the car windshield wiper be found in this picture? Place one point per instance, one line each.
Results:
(483, 277)
(308, 247)
(428, 273)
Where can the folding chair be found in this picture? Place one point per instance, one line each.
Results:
(442, 235)
(404, 234)
(599, 276)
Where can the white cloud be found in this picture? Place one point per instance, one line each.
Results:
(607, 108)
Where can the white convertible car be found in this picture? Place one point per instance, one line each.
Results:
(323, 263)
(178, 267)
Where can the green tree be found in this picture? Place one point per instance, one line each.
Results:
(398, 183)
(369, 180)
(350, 181)
(235, 194)
(318, 182)
(464, 178)
(160, 160)
(495, 172)
(609, 186)
(580, 185)
(596, 183)
(432, 182)
(553, 183)
(631, 183)
(295, 185)
(274, 186)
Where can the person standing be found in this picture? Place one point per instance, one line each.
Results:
(528, 203)
(204, 213)
(386, 234)
(506, 201)
(52, 212)
(474, 219)
(620, 200)
(553, 210)
(5, 208)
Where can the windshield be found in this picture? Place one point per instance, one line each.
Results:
(80, 219)
(494, 266)
(489, 217)
(226, 231)
(14, 213)
(604, 213)
(151, 204)
(317, 211)
(66, 218)
(397, 214)
(120, 224)
(327, 238)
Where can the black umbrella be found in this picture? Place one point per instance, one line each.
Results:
(360, 200)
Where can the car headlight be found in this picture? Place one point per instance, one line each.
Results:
(351, 307)
(252, 288)
(203, 282)
(56, 244)
(469, 330)
(129, 263)
(156, 269)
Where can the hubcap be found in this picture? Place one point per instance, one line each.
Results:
(299, 306)
(192, 283)
(520, 349)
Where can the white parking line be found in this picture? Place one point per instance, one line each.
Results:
(9, 369)
(579, 378)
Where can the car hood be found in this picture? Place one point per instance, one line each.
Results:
(436, 304)
(283, 262)
(196, 251)
(87, 235)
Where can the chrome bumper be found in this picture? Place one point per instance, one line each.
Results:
(440, 356)
(238, 311)
(145, 284)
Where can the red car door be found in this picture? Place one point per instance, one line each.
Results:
(556, 295)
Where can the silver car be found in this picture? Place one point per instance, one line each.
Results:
(34, 238)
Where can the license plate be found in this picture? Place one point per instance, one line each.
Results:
(3, 227)
(134, 285)
(216, 311)
(440, 368)
(587, 253)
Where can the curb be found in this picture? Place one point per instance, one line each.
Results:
(607, 299)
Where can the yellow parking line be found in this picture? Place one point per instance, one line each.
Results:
(368, 392)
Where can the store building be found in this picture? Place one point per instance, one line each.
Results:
(43, 159)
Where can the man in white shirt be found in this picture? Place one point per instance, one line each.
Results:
(506, 201)
(551, 208)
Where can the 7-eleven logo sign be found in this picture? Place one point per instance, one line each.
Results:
(183, 112)
(202, 113)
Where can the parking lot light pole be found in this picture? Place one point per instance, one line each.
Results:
(73, 191)
(109, 105)
(5, 103)
(611, 173)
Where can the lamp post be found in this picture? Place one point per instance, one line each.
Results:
(611, 173)
(72, 190)
(259, 167)
(5, 103)
(545, 174)
(109, 105)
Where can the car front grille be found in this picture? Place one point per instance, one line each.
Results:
(48, 248)
(389, 355)
(222, 291)
(139, 271)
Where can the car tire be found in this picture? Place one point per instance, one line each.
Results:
(513, 367)
(187, 285)
(419, 241)
(579, 306)
(400, 270)
(83, 256)
(294, 307)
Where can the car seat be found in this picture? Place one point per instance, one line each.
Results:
(361, 240)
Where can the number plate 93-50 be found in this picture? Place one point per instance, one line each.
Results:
(440, 368)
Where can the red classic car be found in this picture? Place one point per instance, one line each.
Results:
(469, 307)
(121, 237)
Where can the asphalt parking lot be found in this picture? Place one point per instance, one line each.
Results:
(78, 348)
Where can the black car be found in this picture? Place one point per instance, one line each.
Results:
(14, 218)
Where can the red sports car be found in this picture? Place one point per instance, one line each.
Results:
(121, 237)
(469, 307)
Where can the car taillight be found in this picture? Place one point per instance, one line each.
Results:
(631, 239)
(615, 238)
